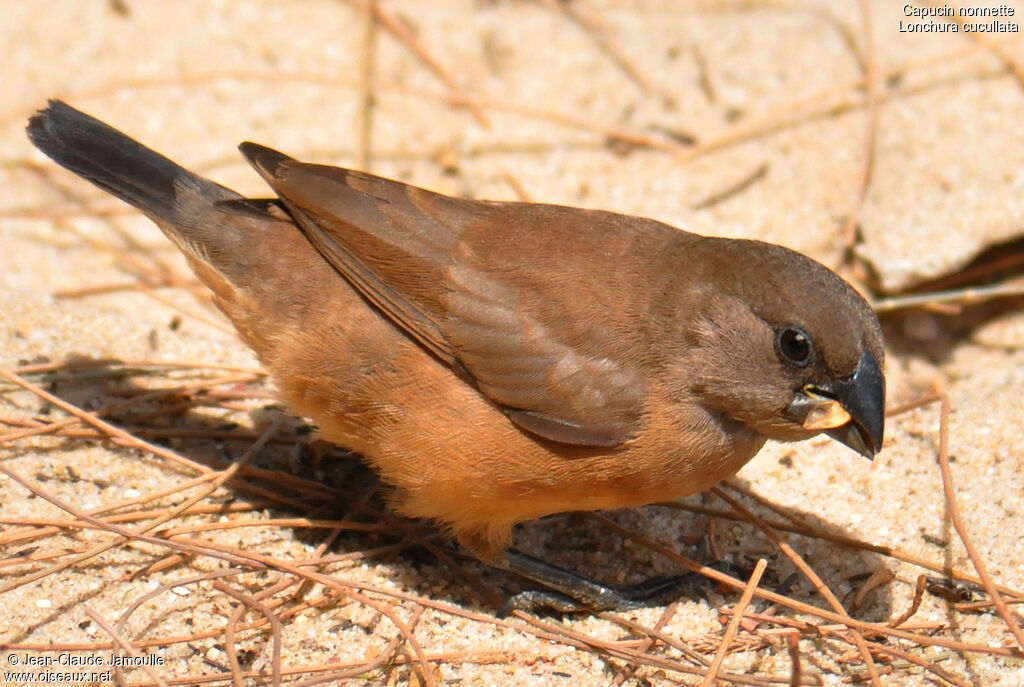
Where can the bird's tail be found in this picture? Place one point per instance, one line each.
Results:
(244, 250)
(226, 238)
(116, 163)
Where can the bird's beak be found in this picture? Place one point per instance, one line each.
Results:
(851, 410)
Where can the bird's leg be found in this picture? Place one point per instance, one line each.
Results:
(568, 592)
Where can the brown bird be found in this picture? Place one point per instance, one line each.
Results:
(496, 361)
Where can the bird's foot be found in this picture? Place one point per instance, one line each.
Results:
(568, 592)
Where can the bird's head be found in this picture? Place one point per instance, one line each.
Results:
(788, 348)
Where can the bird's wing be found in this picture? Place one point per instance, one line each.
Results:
(440, 269)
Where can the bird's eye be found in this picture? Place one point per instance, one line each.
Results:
(794, 345)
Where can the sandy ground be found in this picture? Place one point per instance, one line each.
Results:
(741, 120)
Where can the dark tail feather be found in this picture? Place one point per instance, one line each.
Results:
(113, 161)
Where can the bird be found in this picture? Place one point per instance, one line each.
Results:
(495, 362)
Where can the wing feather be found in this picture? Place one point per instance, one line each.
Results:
(419, 258)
